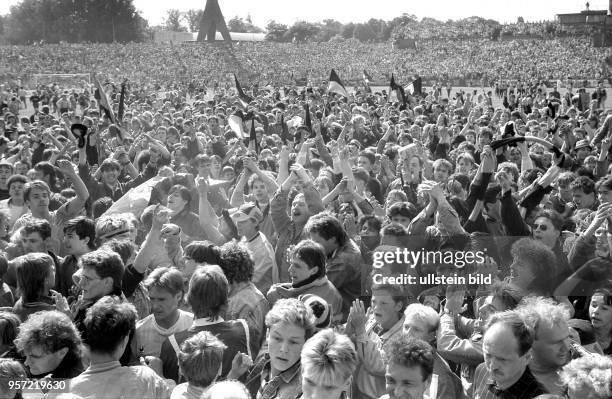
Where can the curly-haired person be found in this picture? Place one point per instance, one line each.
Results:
(588, 377)
(51, 344)
(245, 300)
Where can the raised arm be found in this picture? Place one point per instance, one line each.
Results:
(153, 240)
(206, 214)
(269, 182)
(75, 204)
(283, 165)
(238, 193)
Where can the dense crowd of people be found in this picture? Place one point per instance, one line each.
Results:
(479, 59)
(172, 238)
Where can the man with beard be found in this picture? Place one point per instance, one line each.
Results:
(507, 345)
(551, 346)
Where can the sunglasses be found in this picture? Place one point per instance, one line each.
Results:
(542, 227)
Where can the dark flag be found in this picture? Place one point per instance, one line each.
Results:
(308, 120)
(327, 111)
(253, 144)
(121, 110)
(285, 131)
(366, 78)
(415, 87)
(245, 100)
(398, 89)
(366, 81)
(103, 100)
(336, 85)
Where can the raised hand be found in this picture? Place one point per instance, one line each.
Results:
(202, 185)
(300, 172)
(161, 215)
(504, 181)
(65, 167)
(240, 364)
(454, 299)
(358, 317)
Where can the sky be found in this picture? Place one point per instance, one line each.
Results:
(289, 11)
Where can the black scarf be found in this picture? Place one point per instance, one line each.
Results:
(307, 281)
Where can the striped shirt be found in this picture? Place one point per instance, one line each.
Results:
(527, 387)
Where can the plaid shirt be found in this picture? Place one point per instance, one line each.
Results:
(527, 387)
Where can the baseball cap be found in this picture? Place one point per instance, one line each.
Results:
(582, 144)
(6, 163)
(247, 211)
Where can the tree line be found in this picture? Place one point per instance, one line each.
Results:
(54, 21)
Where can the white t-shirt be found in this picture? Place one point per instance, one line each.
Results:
(14, 211)
(150, 336)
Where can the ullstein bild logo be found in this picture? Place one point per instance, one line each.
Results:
(404, 256)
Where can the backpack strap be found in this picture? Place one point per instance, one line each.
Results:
(245, 325)
(174, 344)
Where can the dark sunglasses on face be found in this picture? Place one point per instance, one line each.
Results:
(542, 227)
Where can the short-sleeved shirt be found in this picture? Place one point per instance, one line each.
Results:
(150, 336)
(14, 212)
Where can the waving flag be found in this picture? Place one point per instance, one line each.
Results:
(284, 130)
(122, 101)
(336, 85)
(253, 144)
(366, 81)
(397, 89)
(415, 87)
(236, 123)
(100, 95)
(135, 200)
(308, 120)
(366, 77)
(245, 100)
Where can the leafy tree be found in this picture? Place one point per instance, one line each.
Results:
(275, 31)
(364, 33)
(173, 21)
(193, 18)
(302, 31)
(74, 21)
(240, 25)
(520, 20)
(348, 30)
(329, 29)
(237, 24)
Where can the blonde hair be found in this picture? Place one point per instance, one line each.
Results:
(330, 356)
(423, 313)
(292, 311)
(593, 371)
(541, 311)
